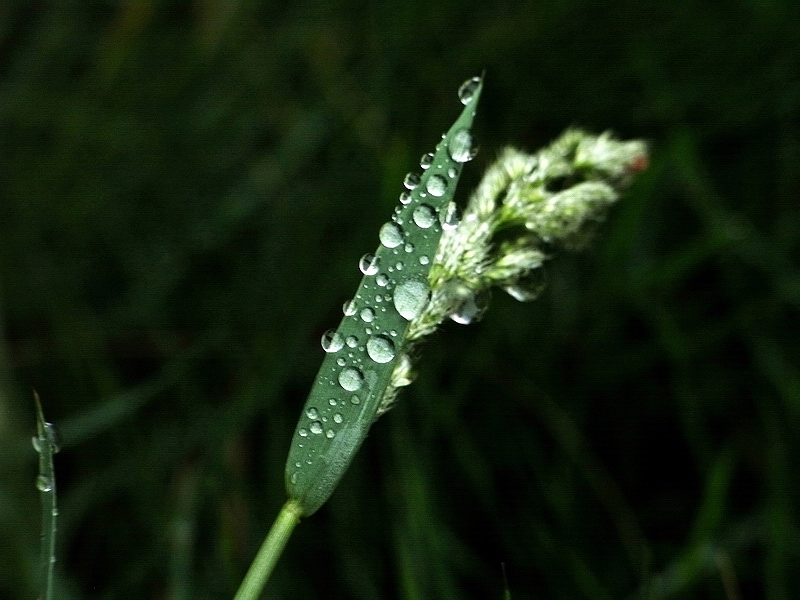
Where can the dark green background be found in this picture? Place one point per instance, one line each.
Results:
(185, 190)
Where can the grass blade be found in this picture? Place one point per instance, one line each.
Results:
(46, 444)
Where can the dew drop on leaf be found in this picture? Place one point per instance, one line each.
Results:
(44, 483)
(380, 349)
(368, 264)
(330, 434)
(337, 418)
(349, 308)
(405, 197)
(351, 341)
(436, 185)
(424, 216)
(410, 298)
(426, 161)
(460, 146)
(312, 413)
(391, 235)
(449, 217)
(367, 315)
(351, 379)
(411, 181)
(316, 428)
(332, 341)
(467, 90)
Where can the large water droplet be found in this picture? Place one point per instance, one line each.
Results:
(410, 298)
(380, 349)
(467, 90)
(316, 427)
(349, 308)
(351, 379)
(44, 483)
(426, 161)
(450, 217)
(332, 341)
(312, 413)
(436, 185)
(391, 235)
(411, 181)
(367, 315)
(405, 197)
(368, 264)
(527, 287)
(382, 280)
(460, 146)
(424, 216)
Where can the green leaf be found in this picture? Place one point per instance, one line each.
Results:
(369, 343)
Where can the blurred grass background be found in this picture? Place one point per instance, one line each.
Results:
(185, 189)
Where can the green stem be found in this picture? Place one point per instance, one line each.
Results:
(270, 551)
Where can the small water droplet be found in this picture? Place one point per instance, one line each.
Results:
(368, 264)
(44, 484)
(424, 260)
(332, 401)
(382, 280)
(405, 197)
(399, 266)
(332, 341)
(460, 146)
(452, 172)
(302, 432)
(298, 464)
(410, 298)
(293, 478)
(426, 161)
(330, 434)
(467, 90)
(409, 247)
(393, 333)
(391, 235)
(528, 287)
(380, 349)
(312, 413)
(436, 185)
(351, 341)
(351, 379)
(349, 308)
(338, 418)
(450, 217)
(424, 216)
(467, 306)
(316, 428)
(355, 400)
(37, 443)
(341, 361)
(411, 181)
(367, 315)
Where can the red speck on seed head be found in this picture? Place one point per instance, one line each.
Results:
(639, 163)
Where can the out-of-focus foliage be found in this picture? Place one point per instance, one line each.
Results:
(185, 190)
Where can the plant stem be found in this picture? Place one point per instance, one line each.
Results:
(270, 551)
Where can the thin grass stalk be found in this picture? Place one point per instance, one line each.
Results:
(46, 445)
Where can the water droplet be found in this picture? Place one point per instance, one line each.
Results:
(37, 443)
(436, 185)
(467, 306)
(316, 428)
(368, 264)
(338, 418)
(355, 400)
(460, 146)
(367, 315)
(332, 401)
(528, 287)
(312, 413)
(426, 161)
(330, 434)
(411, 181)
(351, 341)
(450, 217)
(351, 379)
(452, 172)
(380, 349)
(424, 260)
(349, 308)
(44, 484)
(293, 478)
(303, 432)
(467, 90)
(424, 216)
(409, 247)
(341, 361)
(399, 266)
(382, 280)
(405, 198)
(391, 235)
(332, 341)
(410, 298)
